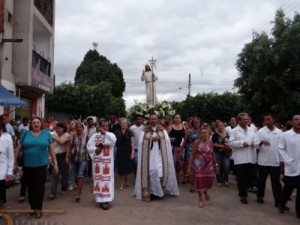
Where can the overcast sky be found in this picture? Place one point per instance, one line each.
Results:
(199, 37)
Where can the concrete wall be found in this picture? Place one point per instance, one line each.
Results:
(6, 47)
(23, 28)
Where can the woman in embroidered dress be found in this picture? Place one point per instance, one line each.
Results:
(204, 164)
(79, 157)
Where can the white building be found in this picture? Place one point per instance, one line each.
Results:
(26, 68)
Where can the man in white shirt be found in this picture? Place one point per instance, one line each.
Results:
(232, 125)
(242, 142)
(251, 125)
(24, 125)
(137, 129)
(289, 149)
(90, 129)
(266, 140)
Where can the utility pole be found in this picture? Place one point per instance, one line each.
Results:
(189, 85)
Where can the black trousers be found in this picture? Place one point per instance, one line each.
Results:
(245, 174)
(274, 172)
(232, 167)
(35, 177)
(23, 186)
(289, 184)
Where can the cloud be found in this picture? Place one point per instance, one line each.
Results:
(192, 36)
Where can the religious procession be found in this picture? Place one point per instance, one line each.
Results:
(159, 152)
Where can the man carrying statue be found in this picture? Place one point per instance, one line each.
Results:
(155, 171)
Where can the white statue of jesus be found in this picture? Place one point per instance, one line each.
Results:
(149, 77)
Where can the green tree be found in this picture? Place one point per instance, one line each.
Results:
(96, 68)
(269, 70)
(81, 99)
(98, 89)
(209, 106)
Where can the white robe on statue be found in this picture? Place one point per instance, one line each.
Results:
(103, 166)
(156, 170)
(150, 79)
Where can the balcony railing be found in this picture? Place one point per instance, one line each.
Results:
(46, 8)
(41, 63)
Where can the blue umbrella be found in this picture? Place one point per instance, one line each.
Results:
(9, 99)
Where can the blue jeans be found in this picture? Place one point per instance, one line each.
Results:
(79, 169)
(63, 169)
(224, 164)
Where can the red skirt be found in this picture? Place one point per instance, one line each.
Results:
(203, 183)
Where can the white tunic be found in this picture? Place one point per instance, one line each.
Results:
(150, 79)
(6, 155)
(103, 166)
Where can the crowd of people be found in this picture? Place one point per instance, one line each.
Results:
(160, 152)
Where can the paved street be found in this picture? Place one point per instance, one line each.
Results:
(223, 208)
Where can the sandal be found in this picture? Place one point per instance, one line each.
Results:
(21, 199)
(200, 204)
(121, 188)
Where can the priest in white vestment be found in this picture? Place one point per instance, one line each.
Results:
(149, 77)
(155, 173)
(101, 149)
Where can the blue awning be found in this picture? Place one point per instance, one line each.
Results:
(9, 99)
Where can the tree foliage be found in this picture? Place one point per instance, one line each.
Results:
(269, 70)
(96, 68)
(209, 106)
(81, 99)
(98, 89)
